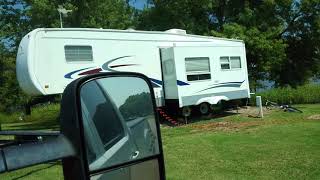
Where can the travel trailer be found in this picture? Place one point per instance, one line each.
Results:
(185, 70)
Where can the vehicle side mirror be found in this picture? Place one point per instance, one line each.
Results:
(109, 130)
(112, 121)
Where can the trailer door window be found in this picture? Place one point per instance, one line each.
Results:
(197, 68)
(168, 67)
(78, 53)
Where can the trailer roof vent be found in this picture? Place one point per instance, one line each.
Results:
(130, 29)
(176, 31)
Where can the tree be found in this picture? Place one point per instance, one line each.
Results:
(264, 54)
(183, 14)
(11, 97)
(114, 14)
(137, 105)
(302, 34)
(12, 24)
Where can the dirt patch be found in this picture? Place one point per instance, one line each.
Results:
(249, 111)
(226, 126)
(314, 117)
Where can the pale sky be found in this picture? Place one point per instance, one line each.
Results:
(139, 4)
(120, 88)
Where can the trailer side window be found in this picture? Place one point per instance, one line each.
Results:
(233, 62)
(197, 68)
(225, 63)
(78, 53)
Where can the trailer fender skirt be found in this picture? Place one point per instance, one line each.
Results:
(212, 100)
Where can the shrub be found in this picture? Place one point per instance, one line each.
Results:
(306, 94)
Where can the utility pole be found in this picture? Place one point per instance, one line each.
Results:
(62, 12)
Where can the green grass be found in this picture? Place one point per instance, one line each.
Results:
(49, 171)
(280, 146)
(43, 117)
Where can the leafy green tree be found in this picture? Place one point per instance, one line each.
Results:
(115, 14)
(183, 14)
(136, 106)
(302, 34)
(12, 24)
(264, 54)
(11, 97)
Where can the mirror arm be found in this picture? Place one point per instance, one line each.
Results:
(24, 155)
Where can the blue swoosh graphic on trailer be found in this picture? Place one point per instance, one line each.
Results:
(226, 84)
(181, 83)
(68, 76)
(158, 82)
(154, 84)
(240, 82)
(105, 66)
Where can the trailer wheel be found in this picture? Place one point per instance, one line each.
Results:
(204, 108)
(186, 111)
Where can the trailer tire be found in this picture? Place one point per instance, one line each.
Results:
(204, 108)
(186, 111)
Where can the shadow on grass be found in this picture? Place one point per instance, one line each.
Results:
(198, 117)
(51, 164)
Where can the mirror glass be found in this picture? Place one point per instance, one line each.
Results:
(147, 170)
(118, 120)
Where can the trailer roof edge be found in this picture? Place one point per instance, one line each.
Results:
(135, 31)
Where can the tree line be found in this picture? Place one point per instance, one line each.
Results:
(282, 37)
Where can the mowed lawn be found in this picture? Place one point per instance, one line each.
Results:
(281, 146)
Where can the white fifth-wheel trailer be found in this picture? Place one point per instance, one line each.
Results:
(186, 70)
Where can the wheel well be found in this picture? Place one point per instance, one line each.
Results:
(212, 100)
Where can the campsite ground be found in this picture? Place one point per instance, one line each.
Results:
(281, 146)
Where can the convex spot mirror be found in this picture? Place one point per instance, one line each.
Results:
(119, 134)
